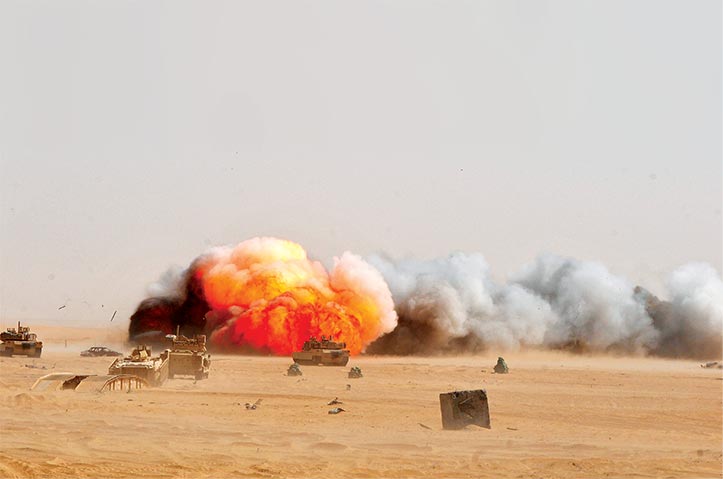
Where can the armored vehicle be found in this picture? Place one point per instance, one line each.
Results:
(140, 363)
(326, 352)
(20, 342)
(187, 356)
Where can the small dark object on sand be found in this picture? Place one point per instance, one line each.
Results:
(334, 401)
(712, 365)
(336, 410)
(501, 366)
(254, 405)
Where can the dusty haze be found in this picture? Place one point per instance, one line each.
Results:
(135, 135)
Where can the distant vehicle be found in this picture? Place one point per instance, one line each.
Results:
(97, 351)
(20, 342)
(326, 352)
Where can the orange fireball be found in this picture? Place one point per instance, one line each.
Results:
(276, 297)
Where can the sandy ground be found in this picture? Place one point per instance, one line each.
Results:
(554, 415)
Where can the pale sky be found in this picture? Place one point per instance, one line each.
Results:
(136, 134)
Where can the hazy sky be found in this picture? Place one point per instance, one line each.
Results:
(135, 134)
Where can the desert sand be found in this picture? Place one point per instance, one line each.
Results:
(554, 415)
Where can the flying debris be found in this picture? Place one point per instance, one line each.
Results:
(114, 313)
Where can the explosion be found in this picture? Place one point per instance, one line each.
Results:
(265, 294)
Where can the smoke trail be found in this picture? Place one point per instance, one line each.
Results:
(452, 305)
(264, 294)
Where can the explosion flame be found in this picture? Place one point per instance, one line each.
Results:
(265, 293)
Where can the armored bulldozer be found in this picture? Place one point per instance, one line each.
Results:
(326, 352)
(187, 356)
(20, 342)
(140, 363)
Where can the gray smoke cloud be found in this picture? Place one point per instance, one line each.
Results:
(452, 304)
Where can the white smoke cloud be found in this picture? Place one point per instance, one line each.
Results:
(452, 304)
(693, 319)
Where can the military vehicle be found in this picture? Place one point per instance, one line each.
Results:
(20, 342)
(326, 352)
(140, 363)
(187, 356)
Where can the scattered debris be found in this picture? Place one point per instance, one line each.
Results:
(348, 387)
(63, 306)
(512, 428)
(254, 405)
(33, 366)
(114, 313)
(355, 372)
(334, 401)
(294, 370)
(501, 366)
(336, 410)
(462, 408)
(712, 365)
(424, 426)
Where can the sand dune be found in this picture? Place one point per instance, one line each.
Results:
(555, 415)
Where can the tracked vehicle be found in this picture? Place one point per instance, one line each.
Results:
(326, 352)
(140, 363)
(187, 356)
(20, 342)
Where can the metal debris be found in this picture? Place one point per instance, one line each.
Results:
(254, 405)
(355, 372)
(712, 365)
(336, 410)
(462, 408)
(334, 401)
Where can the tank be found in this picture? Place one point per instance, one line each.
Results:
(142, 364)
(20, 342)
(326, 352)
(187, 356)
